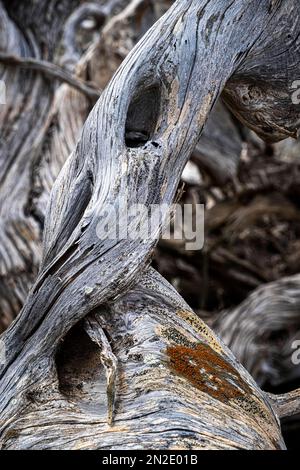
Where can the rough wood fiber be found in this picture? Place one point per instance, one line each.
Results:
(262, 329)
(215, 153)
(23, 123)
(64, 118)
(183, 62)
(157, 405)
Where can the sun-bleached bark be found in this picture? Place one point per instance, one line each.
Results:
(164, 91)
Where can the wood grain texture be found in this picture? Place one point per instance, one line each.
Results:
(286, 404)
(216, 153)
(220, 146)
(23, 123)
(183, 63)
(156, 406)
(262, 329)
(65, 114)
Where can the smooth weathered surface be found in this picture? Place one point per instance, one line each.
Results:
(183, 64)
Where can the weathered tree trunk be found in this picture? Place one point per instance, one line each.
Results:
(216, 153)
(163, 400)
(164, 91)
(23, 127)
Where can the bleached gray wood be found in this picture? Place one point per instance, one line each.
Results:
(23, 125)
(183, 63)
(23, 216)
(155, 406)
(262, 330)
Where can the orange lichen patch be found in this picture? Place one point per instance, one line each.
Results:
(201, 328)
(207, 371)
(204, 366)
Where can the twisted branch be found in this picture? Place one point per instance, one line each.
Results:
(51, 70)
(156, 94)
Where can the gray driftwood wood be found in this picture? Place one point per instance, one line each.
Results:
(217, 153)
(176, 384)
(262, 329)
(33, 169)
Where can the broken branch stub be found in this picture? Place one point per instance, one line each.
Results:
(164, 92)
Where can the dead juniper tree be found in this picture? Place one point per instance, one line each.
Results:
(102, 339)
(63, 121)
